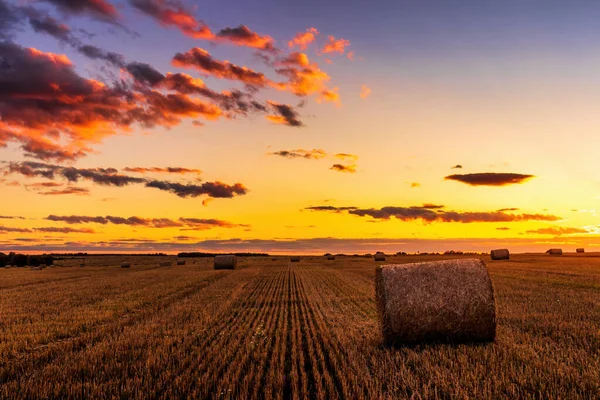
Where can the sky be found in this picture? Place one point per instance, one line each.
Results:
(309, 127)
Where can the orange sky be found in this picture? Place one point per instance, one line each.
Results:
(216, 137)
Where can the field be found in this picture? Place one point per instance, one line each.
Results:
(275, 329)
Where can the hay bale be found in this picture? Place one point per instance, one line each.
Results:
(273, 259)
(8, 266)
(379, 256)
(330, 257)
(81, 265)
(180, 262)
(228, 261)
(125, 264)
(164, 264)
(447, 301)
(554, 252)
(36, 268)
(295, 259)
(500, 254)
(580, 250)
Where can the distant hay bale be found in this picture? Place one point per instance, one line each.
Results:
(379, 256)
(273, 259)
(125, 265)
(180, 262)
(554, 252)
(225, 262)
(164, 264)
(8, 266)
(436, 301)
(330, 257)
(500, 254)
(580, 250)
(81, 265)
(36, 268)
(295, 259)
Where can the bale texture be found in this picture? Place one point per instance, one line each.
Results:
(331, 258)
(379, 257)
(225, 262)
(295, 259)
(580, 250)
(180, 262)
(500, 254)
(555, 252)
(125, 265)
(436, 301)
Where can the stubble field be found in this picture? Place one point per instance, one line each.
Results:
(275, 329)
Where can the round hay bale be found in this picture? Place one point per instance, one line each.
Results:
(554, 252)
(580, 250)
(500, 254)
(8, 266)
(125, 264)
(180, 262)
(436, 301)
(330, 258)
(379, 257)
(295, 259)
(225, 262)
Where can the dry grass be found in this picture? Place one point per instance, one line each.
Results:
(271, 330)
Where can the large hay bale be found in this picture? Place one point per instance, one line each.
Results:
(555, 252)
(446, 301)
(295, 259)
(330, 257)
(125, 264)
(180, 262)
(379, 256)
(225, 262)
(500, 254)
(164, 264)
(580, 250)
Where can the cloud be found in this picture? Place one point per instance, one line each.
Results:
(330, 95)
(335, 46)
(64, 230)
(112, 177)
(191, 223)
(10, 217)
(55, 114)
(173, 13)
(12, 229)
(347, 156)
(433, 213)
(508, 209)
(101, 9)
(203, 62)
(365, 91)
(303, 39)
(243, 36)
(66, 191)
(415, 184)
(490, 178)
(284, 114)
(167, 170)
(344, 168)
(314, 154)
(457, 166)
(503, 228)
(304, 78)
(211, 189)
(557, 231)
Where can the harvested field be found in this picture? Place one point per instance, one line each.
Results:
(273, 330)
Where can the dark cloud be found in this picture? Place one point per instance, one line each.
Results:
(101, 9)
(66, 191)
(489, 178)
(508, 209)
(243, 36)
(330, 208)
(314, 154)
(457, 166)
(13, 229)
(9, 20)
(111, 177)
(168, 170)
(202, 61)
(433, 213)
(284, 114)
(503, 228)
(211, 189)
(189, 223)
(558, 231)
(10, 217)
(64, 230)
(174, 13)
(344, 168)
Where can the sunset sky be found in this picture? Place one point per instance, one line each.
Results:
(305, 127)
